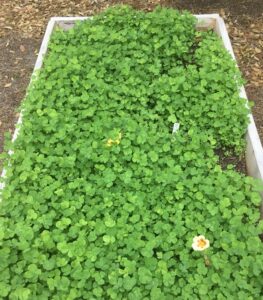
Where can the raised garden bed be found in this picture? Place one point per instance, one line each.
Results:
(102, 200)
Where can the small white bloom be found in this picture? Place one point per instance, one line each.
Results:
(200, 243)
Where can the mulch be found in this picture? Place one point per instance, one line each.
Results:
(22, 25)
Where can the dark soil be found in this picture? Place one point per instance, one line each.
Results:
(22, 24)
(238, 162)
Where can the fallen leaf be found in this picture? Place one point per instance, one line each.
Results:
(8, 84)
(22, 48)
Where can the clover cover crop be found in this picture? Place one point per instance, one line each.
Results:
(102, 201)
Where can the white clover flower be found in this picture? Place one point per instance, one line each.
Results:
(200, 243)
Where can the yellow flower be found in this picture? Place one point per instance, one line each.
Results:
(118, 140)
(200, 243)
(109, 142)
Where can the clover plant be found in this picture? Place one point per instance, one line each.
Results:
(102, 200)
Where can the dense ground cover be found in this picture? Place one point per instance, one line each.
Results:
(102, 201)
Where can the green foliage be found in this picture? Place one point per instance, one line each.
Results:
(102, 201)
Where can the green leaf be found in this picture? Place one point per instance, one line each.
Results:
(156, 293)
(153, 156)
(4, 289)
(20, 293)
(109, 222)
(145, 275)
(129, 283)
